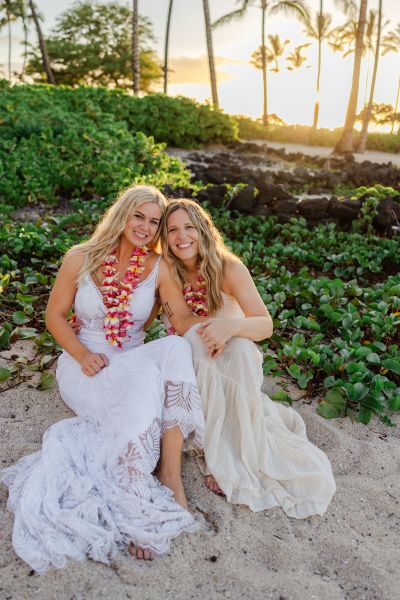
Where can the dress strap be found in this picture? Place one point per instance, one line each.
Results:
(157, 270)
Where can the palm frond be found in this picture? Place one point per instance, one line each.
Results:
(228, 18)
(297, 8)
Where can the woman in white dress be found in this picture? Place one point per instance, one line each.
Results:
(256, 451)
(91, 489)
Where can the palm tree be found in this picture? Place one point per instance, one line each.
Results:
(267, 7)
(166, 46)
(210, 53)
(8, 9)
(296, 58)
(273, 52)
(368, 109)
(345, 143)
(135, 48)
(318, 30)
(42, 44)
(391, 43)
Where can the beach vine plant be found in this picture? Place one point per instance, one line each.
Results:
(335, 308)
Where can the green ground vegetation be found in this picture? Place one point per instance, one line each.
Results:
(334, 295)
(336, 313)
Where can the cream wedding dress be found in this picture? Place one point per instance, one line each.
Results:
(90, 489)
(257, 449)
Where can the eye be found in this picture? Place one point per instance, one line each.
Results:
(155, 223)
(172, 230)
(138, 216)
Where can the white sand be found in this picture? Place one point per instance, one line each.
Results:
(349, 554)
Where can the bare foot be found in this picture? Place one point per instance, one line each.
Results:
(212, 485)
(140, 553)
(174, 483)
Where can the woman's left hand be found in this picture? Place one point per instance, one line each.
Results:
(216, 333)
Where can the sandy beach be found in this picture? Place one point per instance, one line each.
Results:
(348, 554)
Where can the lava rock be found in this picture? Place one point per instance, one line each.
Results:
(288, 206)
(214, 194)
(244, 200)
(313, 208)
(338, 210)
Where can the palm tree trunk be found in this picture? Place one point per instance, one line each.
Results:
(210, 52)
(316, 107)
(25, 26)
(367, 116)
(166, 46)
(42, 45)
(395, 107)
(135, 48)
(264, 63)
(367, 76)
(9, 40)
(345, 143)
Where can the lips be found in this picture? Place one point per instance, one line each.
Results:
(140, 235)
(184, 246)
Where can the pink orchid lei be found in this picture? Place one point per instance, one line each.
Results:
(117, 296)
(195, 299)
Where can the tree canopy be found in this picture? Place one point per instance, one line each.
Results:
(91, 44)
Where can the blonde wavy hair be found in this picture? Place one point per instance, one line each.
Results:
(109, 230)
(212, 251)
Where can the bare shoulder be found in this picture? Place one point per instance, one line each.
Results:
(235, 272)
(72, 261)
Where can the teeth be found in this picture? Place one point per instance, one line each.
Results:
(183, 246)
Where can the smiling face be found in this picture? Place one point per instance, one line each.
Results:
(182, 235)
(141, 228)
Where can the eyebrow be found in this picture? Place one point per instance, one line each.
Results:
(184, 224)
(143, 215)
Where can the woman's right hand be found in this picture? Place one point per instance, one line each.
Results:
(93, 362)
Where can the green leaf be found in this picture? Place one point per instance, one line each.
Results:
(269, 364)
(329, 381)
(4, 337)
(394, 403)
(19, 317)
(4, 374)
(393, 364)
(46, 381)
(360, 391)
(362, 352)
(373, 358)
(333, 406)
(282, 396)
(364, 415)
(27, 333)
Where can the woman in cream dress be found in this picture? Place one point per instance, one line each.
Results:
(256, 451)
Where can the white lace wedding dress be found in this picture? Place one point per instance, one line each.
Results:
(90, 489)
(257, 449)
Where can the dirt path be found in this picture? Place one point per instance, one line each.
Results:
(372, 155)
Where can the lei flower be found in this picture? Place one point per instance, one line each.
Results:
(195, 299)
(116, 296)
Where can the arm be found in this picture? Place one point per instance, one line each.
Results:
(256, 325)
(60, 301)
(174, 302)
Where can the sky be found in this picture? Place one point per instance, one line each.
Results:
(291, 93)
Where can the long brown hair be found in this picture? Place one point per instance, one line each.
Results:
(212, 251)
